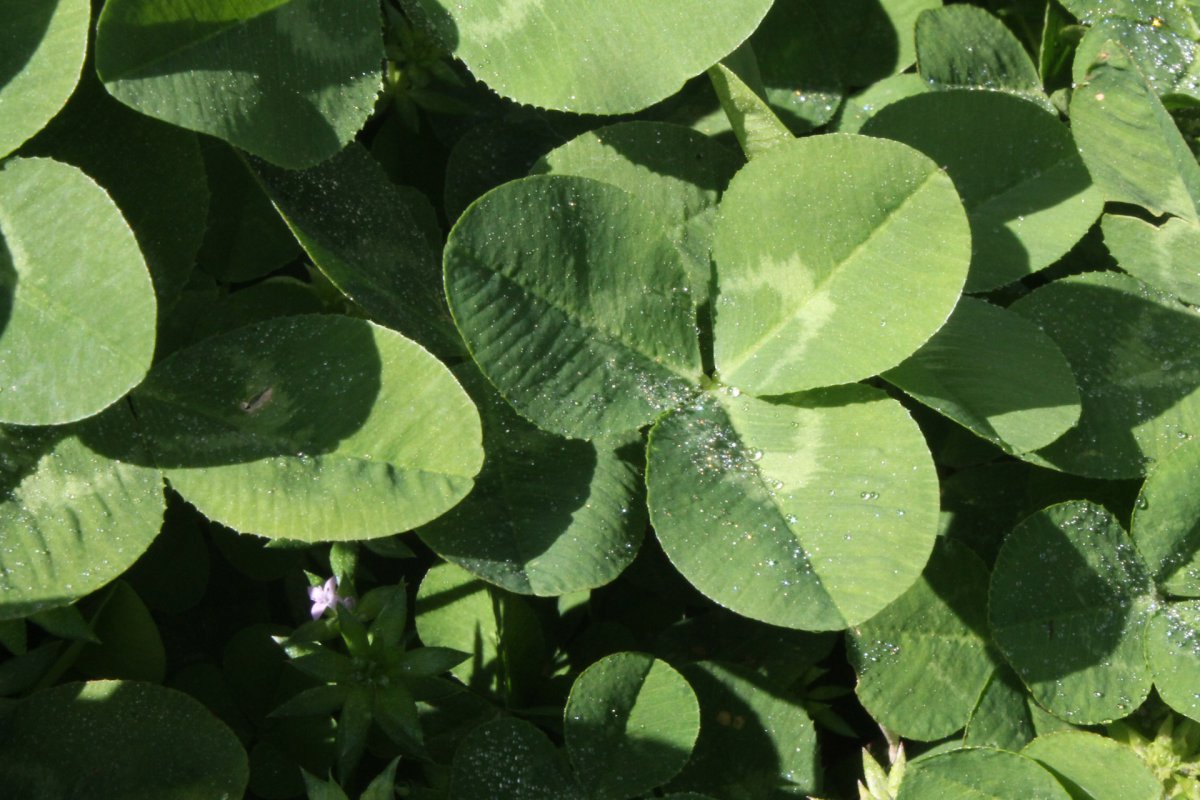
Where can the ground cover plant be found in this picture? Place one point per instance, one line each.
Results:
(526, 399)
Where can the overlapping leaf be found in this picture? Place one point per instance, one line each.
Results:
(119, 740)
(315, 428)
(781, 512)
(71, 519)
(923, 661)
(77, 313)
(548, 515)
(995, 374)
(44, 46)
(1027, 192)
(288, 80)
(576, 55)
(817, 287)
(1137, 388)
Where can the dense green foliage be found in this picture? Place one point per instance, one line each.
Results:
(599, 400)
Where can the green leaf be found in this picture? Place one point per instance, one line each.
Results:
(129, 644)
(273, 428)
(980, 774)
(509, 759)
(837, 256)
(1173, 13)
(73, 340)
(941, 620)
(753, 121)
(426, 662)
(1160, 255)
(44, 43)
(245, 237)
(71, 519)
(800, 77)
(859, 108)
(1027, 193)
(630, 724)
(353, 725)
(154, 172)
(963, 46)
(586, 57)
(290, 81)
(384, 785)
(1128, 140)
(756, 740)
(1167, 58)
(321, 700)
(395, 711)
(586, 332)
(780, 512)
(1166, 522)
(118, 740)
(1002, 717)
(1173, 652)
(866, 39)
(500, 631)
(548, 516)
(995, 374)
(1068, 606)
(677, 172)
(65, 622)
(1094, 767)
(365, 235)
(1138, 390)
(317, 789)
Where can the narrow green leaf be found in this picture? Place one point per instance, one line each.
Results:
(316, 700)
(354, 723)
(73, 340)
(1069, 601)
(630, 723)
(129, 644)
(754, 123)
(837, 257)
(252, 73)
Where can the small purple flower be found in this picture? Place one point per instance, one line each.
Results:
(327, 596)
